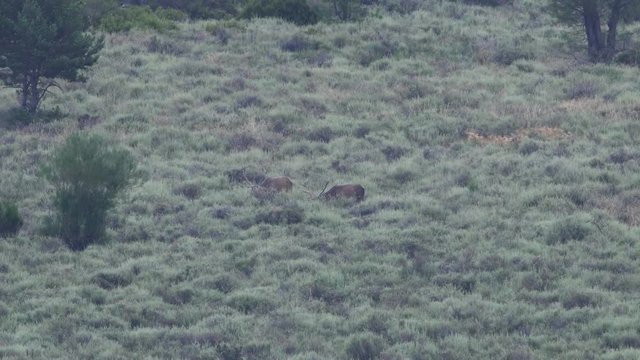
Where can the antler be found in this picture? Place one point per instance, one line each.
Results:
(244, 174)
(304, 190)
(325, 188)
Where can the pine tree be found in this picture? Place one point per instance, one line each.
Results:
(42, 40)
(590, 14)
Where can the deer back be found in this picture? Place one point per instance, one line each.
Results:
(277, 183)
(345, 191)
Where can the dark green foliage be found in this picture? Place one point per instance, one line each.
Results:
(488, 2)
(376, 51)
(111, 280)
(16, 118)
(225, 283)
(507, 54)
(250, 303)
(94, 10)
(158, 45)
(568, 229)
(288, 214)
(88, 174)
(190, 191)
(41, 41)
(600, 20)
(10, 219)
(346, 10)
(295, 11)
(578, 299)
(364, 346)
(298, 43)
(139, 17)
(628, 57)
(362, 132)
(195, 9)
(581, 89)
(323, 134)
(393, 153)
(240, 142)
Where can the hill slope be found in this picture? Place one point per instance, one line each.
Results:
(500, 221)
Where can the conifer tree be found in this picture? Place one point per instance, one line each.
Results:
(590, 14)
(44, 40)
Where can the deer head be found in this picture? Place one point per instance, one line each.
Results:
(345, 191)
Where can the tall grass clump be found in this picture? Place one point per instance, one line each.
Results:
(88, 173)
(294, 11)
(10, 219)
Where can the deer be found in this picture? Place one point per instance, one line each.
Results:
(277, 183)
(270, 183)
(344, 191)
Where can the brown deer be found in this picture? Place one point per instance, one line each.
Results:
(261, 183)
(345, 191)
(277, 183)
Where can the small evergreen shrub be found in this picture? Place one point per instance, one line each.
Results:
(295, 11)
(10, 219)
(88, 174)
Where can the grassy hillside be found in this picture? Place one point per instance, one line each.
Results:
(500, 221)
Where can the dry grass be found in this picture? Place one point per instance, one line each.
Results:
(547, 133)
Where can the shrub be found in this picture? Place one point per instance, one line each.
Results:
(581, 90)
(111, 280)
(17, 117)
(160, 46)
(295, 11)
(139, 17)
(298, 43)
(197, 9)
(10, 219)
(376, 51)
(247, 302)
(88, 174)
(571, 228)
(324, 134)
(393, 153)
(578, 299)
(288, 214)
(628, 57)
(364, 346)
(488, 2)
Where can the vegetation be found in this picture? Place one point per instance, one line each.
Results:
(602, 45)
(295, 11)
(10, 219)
(199, 9)
(88, 174)
(41, 41)
(140, 17)
(500, 219)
